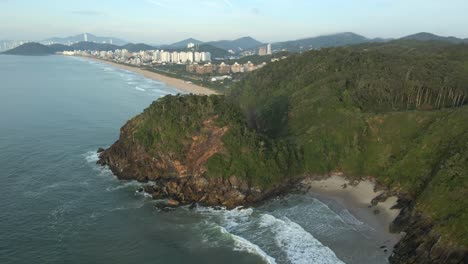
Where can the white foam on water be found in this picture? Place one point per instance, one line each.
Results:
(233, 220)
(124, 185)
(140, 89)
(242, 244)
(230, 218)
(144, 194)
(91, 156)
(159, 91)
(299, 245)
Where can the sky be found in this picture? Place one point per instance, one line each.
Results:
(168, 21)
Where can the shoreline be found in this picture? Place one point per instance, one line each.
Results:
(169, 81)
(356, 198)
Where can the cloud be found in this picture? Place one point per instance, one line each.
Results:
(87, 13)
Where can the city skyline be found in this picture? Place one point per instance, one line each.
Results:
(165, 22)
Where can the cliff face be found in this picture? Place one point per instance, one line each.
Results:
(422, 243)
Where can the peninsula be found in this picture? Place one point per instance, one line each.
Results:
(395, 112)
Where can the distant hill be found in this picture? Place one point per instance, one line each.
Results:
(215, 51)
(184, 43)
(84, 37)
(334, 40)
(93, 46)
(31, 49)
(137, 47)
(424, 36)
(236, 45)
(59, 47)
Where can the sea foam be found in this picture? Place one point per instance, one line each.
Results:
(242, 244)
(299, 245)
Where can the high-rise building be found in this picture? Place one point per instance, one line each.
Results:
(262, 51)
(205, 56)
(175, 57)
(269, 49)
(85, 36)
(197, 56)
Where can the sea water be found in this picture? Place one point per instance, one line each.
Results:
(58, 206)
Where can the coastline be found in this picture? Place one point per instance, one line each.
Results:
(173, 82)
(356, 198)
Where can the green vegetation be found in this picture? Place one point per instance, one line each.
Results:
(335, 40)
(255, 59)
(396, 111)
(169, 124)
(179, 72)
(371, 110)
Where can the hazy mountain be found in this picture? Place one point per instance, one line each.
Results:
(236, 45)
(86, 45)
(31, 49)
(84, 37)
(215, 51)
(184, 43)
(334, 40)
(424, 36)
(137, 47)
(59, 47)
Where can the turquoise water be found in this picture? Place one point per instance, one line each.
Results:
(57, 206)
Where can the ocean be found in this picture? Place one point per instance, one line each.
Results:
(58, 206)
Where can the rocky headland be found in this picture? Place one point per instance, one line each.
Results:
(396, 112)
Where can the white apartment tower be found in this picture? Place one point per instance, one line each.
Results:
(86, 37)
(269, 49)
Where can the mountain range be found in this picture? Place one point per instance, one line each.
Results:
(334, 40)
(237, 45)
(219, 49)
(424, 36)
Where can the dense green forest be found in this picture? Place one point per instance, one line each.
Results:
(169, 124)
(395, 111)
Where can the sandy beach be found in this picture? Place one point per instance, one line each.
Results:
(173, 82)
(357, 199)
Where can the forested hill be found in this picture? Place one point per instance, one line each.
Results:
(395, 111)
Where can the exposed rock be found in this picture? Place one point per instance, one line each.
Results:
(100, 150)
(421, 243)
(172, 203)
(184, 180)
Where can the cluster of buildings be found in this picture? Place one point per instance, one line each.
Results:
(146, 57)
(223, 68)
(265, 50)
